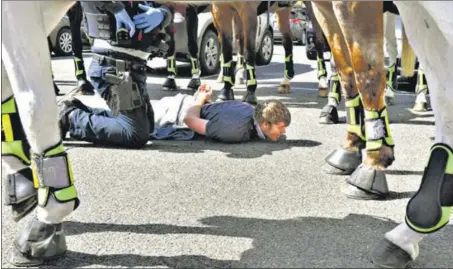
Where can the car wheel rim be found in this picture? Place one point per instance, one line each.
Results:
(211, 53)
(267, 47)
(66, 42)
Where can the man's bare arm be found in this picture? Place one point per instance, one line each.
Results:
(193, 120)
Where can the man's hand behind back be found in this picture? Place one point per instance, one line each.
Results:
(203, 94)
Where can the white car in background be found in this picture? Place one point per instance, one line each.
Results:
(209, 45)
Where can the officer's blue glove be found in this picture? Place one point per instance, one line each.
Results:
(122, 18)
(148, 20)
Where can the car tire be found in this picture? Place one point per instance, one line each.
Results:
(266, 51)
(210, 53)
(63, 43)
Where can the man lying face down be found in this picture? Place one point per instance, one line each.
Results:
(236, 121)
(228, 122)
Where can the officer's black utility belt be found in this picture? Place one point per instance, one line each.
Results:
(121, 65)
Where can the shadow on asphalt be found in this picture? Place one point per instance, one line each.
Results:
(299, 243)
(248, 150)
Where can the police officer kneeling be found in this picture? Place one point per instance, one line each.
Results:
(123, 41)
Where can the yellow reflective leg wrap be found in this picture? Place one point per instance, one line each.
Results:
(52, 174)
(195, 66)
(377, 130)
(390, 76)
(78, 64)
(171, 65)
(321, 67)
(430, 208)
(334, 91)
(354, 116)
(289, 67)
(14, 140)
(251, 77)
(227, 73)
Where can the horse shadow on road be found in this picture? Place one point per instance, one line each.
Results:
(304, 242)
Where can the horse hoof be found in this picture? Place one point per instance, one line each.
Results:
(250, 98)
(170, 85)
(388, 255)
(225, 95)
(323, 92)
(284, 88)
(420, 107)
(390, 101)
(367, 183)
(329, 115)
(342, 162)
(194, 84)
(19, 259)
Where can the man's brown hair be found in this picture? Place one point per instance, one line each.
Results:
(272, 112)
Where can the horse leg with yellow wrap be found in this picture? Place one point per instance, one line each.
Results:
(366, 48)
(192, 31)
(238, 44)
(320, 44)
(345, 159)
(428, 27)
(29, 116)
(170, 82)
(238, 33)
(75, 15)
(329, 113)
(283, 16)
(223, 16)
(249, 19)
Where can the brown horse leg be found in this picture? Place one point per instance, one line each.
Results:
(344, 160)
(192, 30)
(219, 36)
(366, 46)
(170, 83)
(249, 22)
(287, 37)
(239, 38)
(223, 16)
(320, 44)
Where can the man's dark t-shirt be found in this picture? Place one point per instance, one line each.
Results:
(230, 121)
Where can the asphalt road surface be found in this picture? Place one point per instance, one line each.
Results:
(202, 204)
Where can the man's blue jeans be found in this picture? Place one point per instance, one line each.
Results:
(130, 129)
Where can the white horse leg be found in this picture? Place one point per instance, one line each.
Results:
(429, 29)
(31, 83)
(392, 51)
(421, 90)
